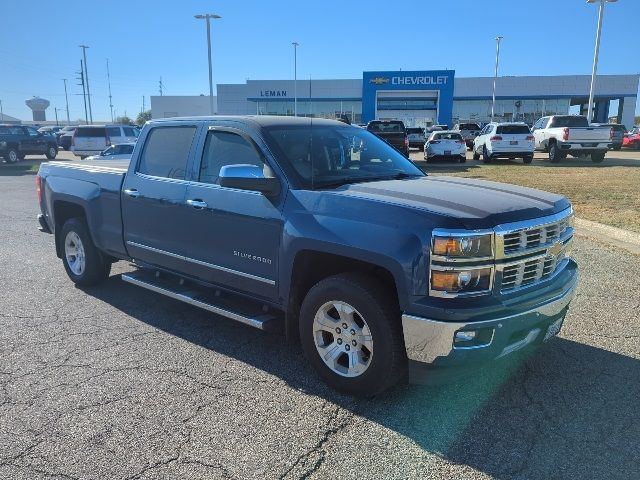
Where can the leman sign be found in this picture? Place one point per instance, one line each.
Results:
(273, 93)
(423, 80)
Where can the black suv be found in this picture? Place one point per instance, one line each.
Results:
(17, 141)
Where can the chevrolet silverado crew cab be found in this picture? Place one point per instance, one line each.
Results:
(571, 134)
(17, 141)
(327, 232)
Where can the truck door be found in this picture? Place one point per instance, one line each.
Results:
(153, 196)
(33, 143)
(235, 235)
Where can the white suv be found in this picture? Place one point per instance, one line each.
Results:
(504, 140)
(93, 139)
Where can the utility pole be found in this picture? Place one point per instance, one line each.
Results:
(160, 85)
(86, 75)
(495, 77)
(596, 54)
(55, 109)
(142, 111)
(66, 99)
(84, 94)
(1, 112)
(110, 98)
(295, 78)
(208, 17)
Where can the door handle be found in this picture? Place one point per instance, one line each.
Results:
(132, 192)
(197, 204)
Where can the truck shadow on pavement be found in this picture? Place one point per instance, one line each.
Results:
(569, 410)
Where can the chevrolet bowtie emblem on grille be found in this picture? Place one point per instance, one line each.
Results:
(555, 249)
(379, 80)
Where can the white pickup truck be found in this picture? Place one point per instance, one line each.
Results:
(571, 134)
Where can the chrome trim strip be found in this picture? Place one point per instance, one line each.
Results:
(533, 223)
(204, 264)
(253, 322)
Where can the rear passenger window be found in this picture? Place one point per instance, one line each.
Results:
(166, 152)
(226, 148)
(90, 132)
(113, 131)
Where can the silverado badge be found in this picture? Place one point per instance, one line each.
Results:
(379, 80)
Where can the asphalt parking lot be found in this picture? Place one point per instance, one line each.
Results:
(117, 382)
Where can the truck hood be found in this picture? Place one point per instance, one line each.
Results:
(475, 203)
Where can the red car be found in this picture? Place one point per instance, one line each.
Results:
(632, 139)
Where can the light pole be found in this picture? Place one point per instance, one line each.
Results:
(66, 99)
(86, 79)
(295, 78)
(208, 17)
(55, 109)
(595, 55)
(495, 77)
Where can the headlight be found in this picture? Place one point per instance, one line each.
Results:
(468, 246)
(465, 281)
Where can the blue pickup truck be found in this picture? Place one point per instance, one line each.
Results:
(326, 232)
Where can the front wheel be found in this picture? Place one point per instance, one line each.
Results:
(350, 333)
(486, 158)
(51, 153)
(82, 260)
(11, 155)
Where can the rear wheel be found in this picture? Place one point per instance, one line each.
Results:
(82, 260)
(597, 157)
(486, 158)
(527, 159)
(554, 153)
(350, 333)
(51, 152)
(11, 155)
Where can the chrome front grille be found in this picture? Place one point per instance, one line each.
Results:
(531, 271)
(534, 237)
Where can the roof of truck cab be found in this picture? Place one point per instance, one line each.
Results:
(259, 120)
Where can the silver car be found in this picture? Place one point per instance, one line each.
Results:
(120, 151)
(469, 132)
(445, 144)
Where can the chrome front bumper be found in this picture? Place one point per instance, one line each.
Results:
(432, 342)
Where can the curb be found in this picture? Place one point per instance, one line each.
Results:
(618, 237)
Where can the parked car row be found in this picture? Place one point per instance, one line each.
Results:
(16, 141)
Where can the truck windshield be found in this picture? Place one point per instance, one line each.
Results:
(327, 156)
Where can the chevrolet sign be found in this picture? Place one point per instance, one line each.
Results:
(441, 80)
(379, 80)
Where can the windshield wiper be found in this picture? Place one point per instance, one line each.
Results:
(350, 180)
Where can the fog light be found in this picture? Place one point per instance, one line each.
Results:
(465, 336)
(481, 337)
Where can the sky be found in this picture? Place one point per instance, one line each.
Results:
(145, 40)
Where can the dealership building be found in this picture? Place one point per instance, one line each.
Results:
(418, 98)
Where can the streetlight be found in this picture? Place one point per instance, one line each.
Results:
(495, 76)
(208, 17)
(86, 78)
(295, 77)
(595, 55)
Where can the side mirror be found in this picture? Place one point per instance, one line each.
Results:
(248, 177)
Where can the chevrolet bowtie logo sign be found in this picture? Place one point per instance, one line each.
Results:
(555, 249)
(379, 80)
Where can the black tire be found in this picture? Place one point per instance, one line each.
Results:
(96, 265)
(463, 159)
(486, 158)
(476, 156)
(617, 148)
(388, 361)
(528, 159)
(597, 157)
(554, 153)
(11, 155)
(51, 152)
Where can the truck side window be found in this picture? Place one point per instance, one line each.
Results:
(166, 152)
(226, 148)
